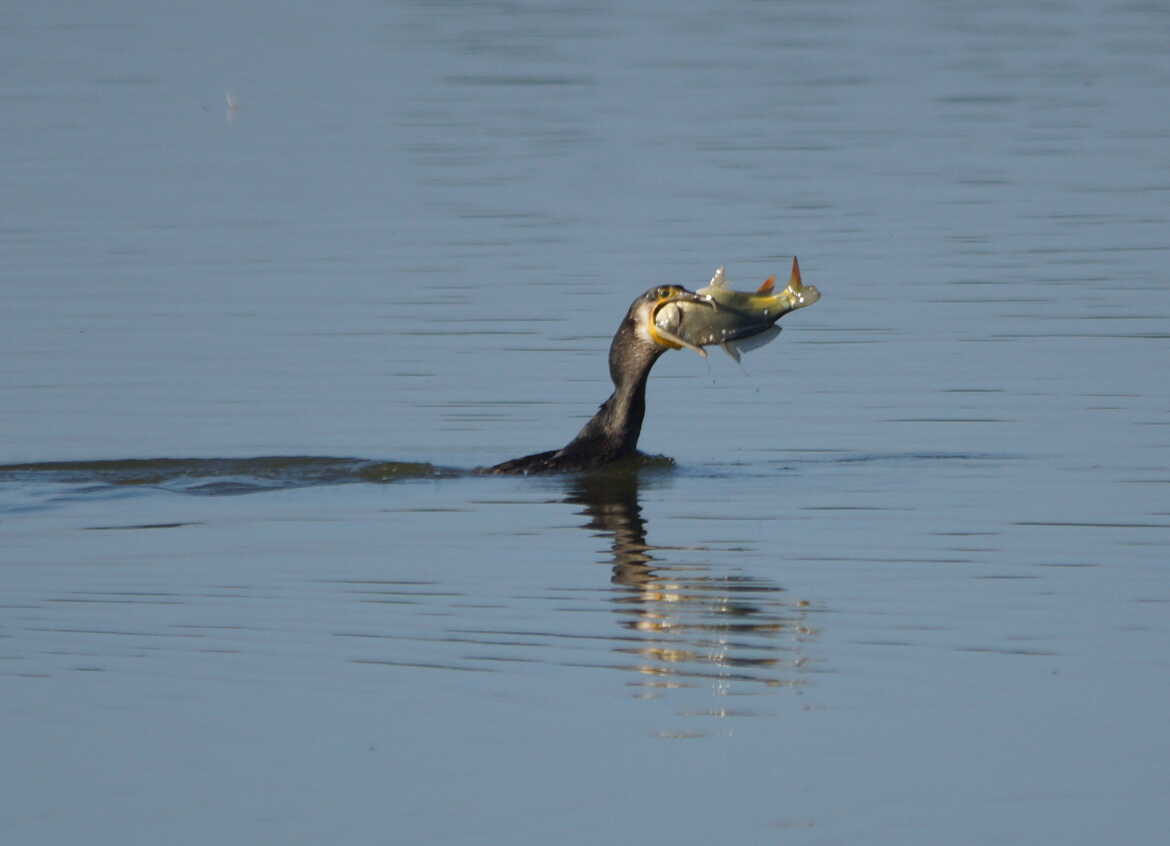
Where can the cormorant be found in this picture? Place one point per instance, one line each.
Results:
(613, 432)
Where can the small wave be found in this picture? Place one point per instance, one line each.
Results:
(215, 476)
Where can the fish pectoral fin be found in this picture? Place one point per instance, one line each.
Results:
(732, 349)
(767, 285)
(661, 334)
(673, 339)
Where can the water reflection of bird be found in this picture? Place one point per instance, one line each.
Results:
(687, 622)
(612, 434)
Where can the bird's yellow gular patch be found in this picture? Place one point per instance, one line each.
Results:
(659, 319)
(661, 336)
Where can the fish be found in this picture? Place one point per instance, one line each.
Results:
(739, 321)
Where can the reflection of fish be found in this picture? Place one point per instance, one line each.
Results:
(739, 320)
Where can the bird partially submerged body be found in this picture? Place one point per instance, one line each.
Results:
(612, 434)
(664, 318)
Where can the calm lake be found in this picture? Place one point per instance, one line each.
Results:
(277, 277)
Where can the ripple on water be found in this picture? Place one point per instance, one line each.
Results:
(41, 484)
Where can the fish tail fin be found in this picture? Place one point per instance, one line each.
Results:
(800, 294)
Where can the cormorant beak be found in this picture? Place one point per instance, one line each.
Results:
(664, 337)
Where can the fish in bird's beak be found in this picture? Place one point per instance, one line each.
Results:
(737, 320)
(659, 325)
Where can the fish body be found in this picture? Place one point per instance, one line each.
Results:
(738, 321)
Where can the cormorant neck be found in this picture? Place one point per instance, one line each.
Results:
(613, 432)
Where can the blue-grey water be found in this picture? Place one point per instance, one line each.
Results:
(275, 276)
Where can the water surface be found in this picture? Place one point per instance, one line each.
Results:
(903, 581)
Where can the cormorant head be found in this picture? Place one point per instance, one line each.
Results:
(646, 333)
(655, 320)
